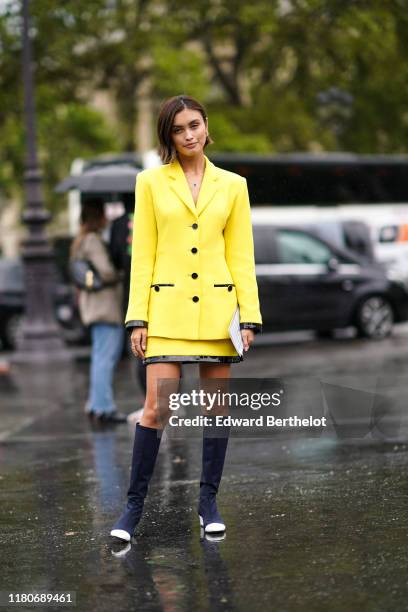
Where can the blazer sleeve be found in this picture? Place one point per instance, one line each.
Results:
(144, 242)
(239, 253)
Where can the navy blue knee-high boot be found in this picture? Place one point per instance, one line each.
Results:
(214, 451)
(145, 448)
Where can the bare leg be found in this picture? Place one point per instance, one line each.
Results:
(146, 445)
(153, 414)
(209, 374)
(215, 370)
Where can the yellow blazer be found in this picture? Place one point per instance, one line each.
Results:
(191, 264)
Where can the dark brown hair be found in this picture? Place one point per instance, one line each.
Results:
(92, 216)
(168, 111)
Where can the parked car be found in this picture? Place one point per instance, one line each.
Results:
(306, 282)
(12, 297)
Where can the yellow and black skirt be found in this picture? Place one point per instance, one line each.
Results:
(161, 350)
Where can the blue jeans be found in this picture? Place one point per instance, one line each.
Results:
(107, 346)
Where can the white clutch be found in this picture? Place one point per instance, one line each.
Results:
(235, 332)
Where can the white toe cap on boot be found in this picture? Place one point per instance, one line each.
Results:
(121, 534)
(212, 527)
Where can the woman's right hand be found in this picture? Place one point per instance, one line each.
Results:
(138, 341)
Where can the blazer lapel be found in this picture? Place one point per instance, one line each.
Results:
(179, 185)
(208, 186)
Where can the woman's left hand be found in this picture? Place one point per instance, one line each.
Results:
(247, 338)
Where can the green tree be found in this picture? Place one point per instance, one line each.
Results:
(66, 126)
(259, 67)
(270, 60)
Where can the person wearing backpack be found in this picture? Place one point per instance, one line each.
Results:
(100, 308)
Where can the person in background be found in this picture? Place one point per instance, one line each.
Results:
(102, 311)
(120, 248)
(120, 243)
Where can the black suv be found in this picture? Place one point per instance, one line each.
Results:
(306, 282)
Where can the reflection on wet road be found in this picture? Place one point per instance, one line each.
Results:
(313, 523)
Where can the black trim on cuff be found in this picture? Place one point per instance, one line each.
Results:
(256, 327)
(135, 323)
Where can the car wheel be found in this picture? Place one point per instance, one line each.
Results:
(375, 317)
(11, 331)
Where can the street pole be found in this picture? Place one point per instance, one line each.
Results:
(41, 338)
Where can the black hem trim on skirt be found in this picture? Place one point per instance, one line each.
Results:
(192, 359)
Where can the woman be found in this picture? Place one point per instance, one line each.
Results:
(102, 311)
(192, 264)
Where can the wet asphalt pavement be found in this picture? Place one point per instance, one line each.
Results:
(314, 522)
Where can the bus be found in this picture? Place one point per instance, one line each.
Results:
(329, 179)
(310, 188)
(329, 188)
